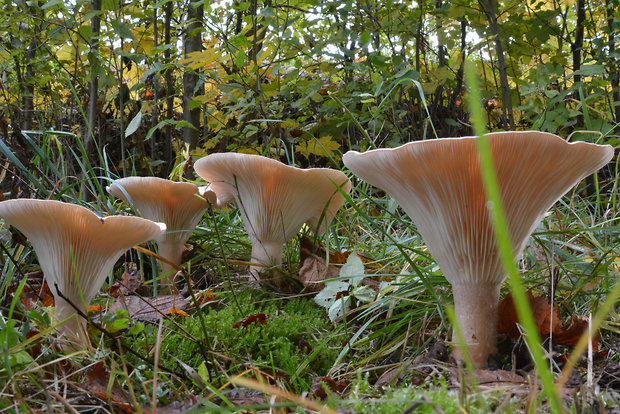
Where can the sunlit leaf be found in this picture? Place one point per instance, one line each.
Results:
(134, 124)
(323, 147)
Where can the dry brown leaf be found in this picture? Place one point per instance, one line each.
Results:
(314, 269)
(391, 376)
(174, 407)
(244, 396)
(320, 383)
(97, 379)
(487, 377)
(32, 293)
(571, 331)
(149, 309)
(563, 334)
(130, 282)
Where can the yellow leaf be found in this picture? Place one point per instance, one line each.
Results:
(207, 97)
(247, 150)
(196, 60)
(176, 311)
(289, 123)
(210, 144)
(66, 52)
(270, 89)
(323, 147)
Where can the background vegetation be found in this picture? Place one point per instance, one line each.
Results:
(305, 80)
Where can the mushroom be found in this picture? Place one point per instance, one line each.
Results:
(180, 205)
(439, 185)
(274, 199)
(76, 250)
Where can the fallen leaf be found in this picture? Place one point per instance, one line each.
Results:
(32, 293)
(149, 309)
(314, 269)
(175, 406)
(243, 396)
(257, 319)
(204, 297)
(391, 376)
(177, 311)
(97, 380)
(95, 308)
(130, 282)
(319, 385)
(488, 377)
(571, 331)
(567, 334)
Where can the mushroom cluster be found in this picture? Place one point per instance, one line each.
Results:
(77, 251)
(274, 199)
(180, 205)
(438, 183)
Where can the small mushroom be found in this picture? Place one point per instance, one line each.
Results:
(439, 185)
(274, 199)
(180, 205)
(76, 250)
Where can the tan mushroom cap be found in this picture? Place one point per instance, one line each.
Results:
(439, 185)
(180, 205)
(275, 199)
(71, 241)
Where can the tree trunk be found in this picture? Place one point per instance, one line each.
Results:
(576, 48)
(489, 8)
(28, 86)
(155, 86)
(192, 43)
(614, 73)
(169, 90)
(93, 89)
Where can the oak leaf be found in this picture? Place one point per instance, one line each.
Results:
(546, 319)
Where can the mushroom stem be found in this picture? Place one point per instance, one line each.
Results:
(172, 252)
(74, 328)
(475, 306)
(267, 253)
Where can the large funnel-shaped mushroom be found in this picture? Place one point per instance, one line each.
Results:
(439, 185)
(76, 250)
(179, 205)
(275, 199)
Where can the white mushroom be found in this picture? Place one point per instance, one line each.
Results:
(76, 250)
(439, 185)
(180, 205)
(274, 199)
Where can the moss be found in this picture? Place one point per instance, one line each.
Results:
(438, 398)
(295, 341)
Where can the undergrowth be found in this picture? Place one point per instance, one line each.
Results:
(294, 342)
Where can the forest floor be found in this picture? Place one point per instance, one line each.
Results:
(228, 345)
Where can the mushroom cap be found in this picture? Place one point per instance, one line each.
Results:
(71, 241)
(439, 185)
(275, 199)
(178, 204)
